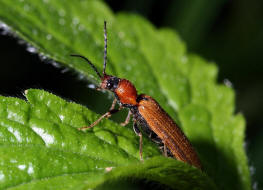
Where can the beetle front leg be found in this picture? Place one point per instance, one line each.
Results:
(113, 104)
(127, 120)
(106, 115)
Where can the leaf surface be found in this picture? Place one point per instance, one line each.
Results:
(155, 60)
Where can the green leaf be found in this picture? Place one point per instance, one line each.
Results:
(165, 171)
(41, 146)
(39, 139)
(155, 60)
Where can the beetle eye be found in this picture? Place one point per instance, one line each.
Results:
(112, 83)
(109, 85)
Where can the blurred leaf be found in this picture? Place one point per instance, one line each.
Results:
(197, 16)
(154, 60)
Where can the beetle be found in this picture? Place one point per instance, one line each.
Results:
(146, 112)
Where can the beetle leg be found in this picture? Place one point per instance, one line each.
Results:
(155, 138)
(106, 115)
(165, 150)
(113, 104)
(140, 135)
(138, 132)
(127, 120)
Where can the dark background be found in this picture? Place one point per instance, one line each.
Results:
(227, 32)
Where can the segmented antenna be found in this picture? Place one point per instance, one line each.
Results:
(105, 47)
(105, 54)
(89, 62)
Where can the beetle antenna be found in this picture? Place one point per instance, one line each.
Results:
(89, 62)
(105, 48)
